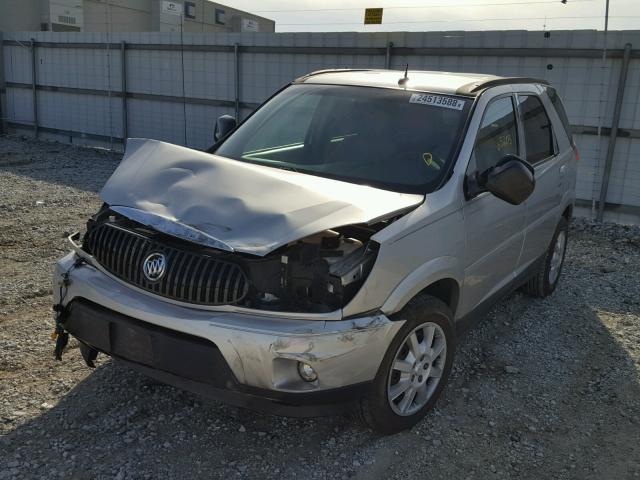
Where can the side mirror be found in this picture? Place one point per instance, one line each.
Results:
(223, 127)
(511, 180)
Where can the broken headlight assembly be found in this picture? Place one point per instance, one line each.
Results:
(320, 273)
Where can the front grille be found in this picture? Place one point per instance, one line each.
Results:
(191, 277)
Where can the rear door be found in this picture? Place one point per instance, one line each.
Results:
(549, 159)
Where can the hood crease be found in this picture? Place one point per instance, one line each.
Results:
(235, 205)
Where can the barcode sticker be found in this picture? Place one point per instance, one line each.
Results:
(437, 101)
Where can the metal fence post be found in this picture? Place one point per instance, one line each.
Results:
(123, 72)
(33, 87)
(236, 80)
(387, 57)
(614, 131)
(3, 90)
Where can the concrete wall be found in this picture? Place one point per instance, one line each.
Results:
(571, 60)
(205, 21)
(117, 16)
(20, 15)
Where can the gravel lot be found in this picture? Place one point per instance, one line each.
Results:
(540, 389)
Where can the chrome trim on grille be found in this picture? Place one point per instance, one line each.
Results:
(91, 262)
(121, 252)
(172, 227)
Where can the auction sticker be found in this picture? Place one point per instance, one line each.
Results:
(437, 101)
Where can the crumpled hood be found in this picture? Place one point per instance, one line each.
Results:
(234, 205)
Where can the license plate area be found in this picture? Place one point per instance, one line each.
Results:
(132, 343)
(130, 339)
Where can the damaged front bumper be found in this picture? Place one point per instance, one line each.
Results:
(247, 359)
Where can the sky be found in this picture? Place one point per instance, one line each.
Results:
(437, 15)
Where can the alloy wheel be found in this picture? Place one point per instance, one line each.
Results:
(557, 257)
(416, 369)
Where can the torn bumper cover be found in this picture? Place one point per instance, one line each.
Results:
(244, 359)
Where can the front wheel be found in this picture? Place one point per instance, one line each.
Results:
(415, 368)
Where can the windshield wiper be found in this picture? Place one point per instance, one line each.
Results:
(282, 167)
(267, 163)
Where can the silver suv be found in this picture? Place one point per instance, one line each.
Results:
(325, 253)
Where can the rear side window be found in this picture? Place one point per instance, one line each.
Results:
(538, 134)
(497, 136)
(557, 104)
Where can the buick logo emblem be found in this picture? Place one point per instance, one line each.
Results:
(154, 266)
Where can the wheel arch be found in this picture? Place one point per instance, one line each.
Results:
(441, 278)
(445, 289)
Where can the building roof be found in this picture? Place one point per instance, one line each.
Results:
(442, 82)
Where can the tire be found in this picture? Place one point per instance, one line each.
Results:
(423, 315)
(544, 281)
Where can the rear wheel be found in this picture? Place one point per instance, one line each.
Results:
(414, 369)
(545, 280)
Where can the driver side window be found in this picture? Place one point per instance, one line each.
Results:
(497, 135)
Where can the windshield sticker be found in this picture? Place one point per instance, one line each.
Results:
(437, 101)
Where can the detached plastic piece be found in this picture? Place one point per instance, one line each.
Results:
(59, 335)
(62, 339)
(89, 354)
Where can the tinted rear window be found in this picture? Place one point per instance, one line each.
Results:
(557, 104)
(538, 135)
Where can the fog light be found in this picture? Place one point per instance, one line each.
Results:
(307, 372)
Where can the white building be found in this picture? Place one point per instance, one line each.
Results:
(127, 16)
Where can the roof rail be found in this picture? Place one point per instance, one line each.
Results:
(330, 70)
(475, 88)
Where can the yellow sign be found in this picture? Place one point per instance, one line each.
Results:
(372, 16)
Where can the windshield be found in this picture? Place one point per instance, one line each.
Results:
(392, 139)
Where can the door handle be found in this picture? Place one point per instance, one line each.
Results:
(563, 170)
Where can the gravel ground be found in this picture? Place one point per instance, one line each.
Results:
(540, 389)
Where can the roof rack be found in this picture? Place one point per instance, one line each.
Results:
(475, 88)
(331, 70)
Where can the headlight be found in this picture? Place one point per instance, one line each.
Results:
(347, 275)
(307, 277)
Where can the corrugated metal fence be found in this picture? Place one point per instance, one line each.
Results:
(98, 88)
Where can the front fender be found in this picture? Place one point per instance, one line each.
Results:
(437, 269)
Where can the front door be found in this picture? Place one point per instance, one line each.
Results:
(493, 227)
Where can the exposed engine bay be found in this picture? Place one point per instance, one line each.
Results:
(319, 273)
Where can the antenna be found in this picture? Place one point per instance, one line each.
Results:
(405, 79)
